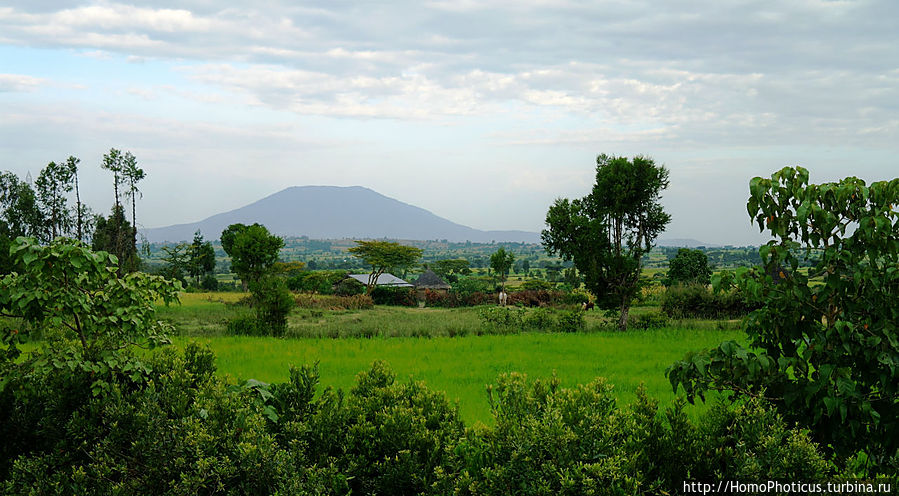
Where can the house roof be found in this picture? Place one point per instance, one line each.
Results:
(430, 280)
(385, 279)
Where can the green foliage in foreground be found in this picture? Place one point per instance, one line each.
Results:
(168, 425)
(827, 354)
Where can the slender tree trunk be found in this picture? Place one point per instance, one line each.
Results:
(622, 317)
(78, 209)
(134, 218)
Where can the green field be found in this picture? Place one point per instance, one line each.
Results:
(461, 366)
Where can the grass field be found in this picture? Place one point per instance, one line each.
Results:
(417, 343)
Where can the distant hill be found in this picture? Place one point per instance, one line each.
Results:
(331, 212)
(685, 243)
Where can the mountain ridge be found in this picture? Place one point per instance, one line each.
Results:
(335, 212)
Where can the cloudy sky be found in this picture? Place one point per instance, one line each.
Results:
(482, 112)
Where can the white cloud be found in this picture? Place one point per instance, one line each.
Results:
(19, 82)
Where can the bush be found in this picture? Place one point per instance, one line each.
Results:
(650, 320)
(551, 440)
(273, 303)
(501, 320)
(245, 325)
(167, 424)
(403, 297)
(571, 321)
(696, 301)
(209, 283)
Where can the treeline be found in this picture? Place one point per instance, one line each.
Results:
(43, 209)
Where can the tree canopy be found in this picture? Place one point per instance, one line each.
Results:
(823, 345)
(501, 261)
(384, 256)
(67, 287)
(689, 267)
(253, 250)
(607, 232)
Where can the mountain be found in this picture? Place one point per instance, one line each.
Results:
(331, 212)
(685, 243)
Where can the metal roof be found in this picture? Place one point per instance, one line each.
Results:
(385, 279)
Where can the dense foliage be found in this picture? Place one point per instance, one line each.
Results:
(608, 232)
(168, 425)
(824, 346)
(689, 267)
(698, 301)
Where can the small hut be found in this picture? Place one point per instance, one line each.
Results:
(430, 280)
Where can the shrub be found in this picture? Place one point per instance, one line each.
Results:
(209, 283)
(501, 320)
(650, 320)
(404, 297)
(245, 325)
(570, 321)
(539, 319)
(552, 440)
(697, 301)
(273, 303)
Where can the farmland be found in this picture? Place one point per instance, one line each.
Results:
(417, 344)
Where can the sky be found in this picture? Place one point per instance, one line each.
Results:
(481, 112)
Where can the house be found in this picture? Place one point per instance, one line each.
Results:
(430, 280)
(384, 280)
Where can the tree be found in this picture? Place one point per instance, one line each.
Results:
(451, 269)
(253, 251)
(501, 261)
(383, 256)
(132, 174)
(202, 258)
(54, 181)
(689, 267)
(109, 234)
(607, 232)
(66, 287)
(177, 261)
(823, 346)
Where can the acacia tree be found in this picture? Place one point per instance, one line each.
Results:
(384, 255)
(607, 232)
(823, 345)
(501, 261)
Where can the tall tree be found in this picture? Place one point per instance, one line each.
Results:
(52, 184)
(607, 232)
(501, 261)
(689, 267)
(21, 215)
(81, 213)
(253, 251)
(202, 258)
(132, 174)
(383, 256)
(114, 161)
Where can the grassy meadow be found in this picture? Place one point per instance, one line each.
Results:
(441, 347)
